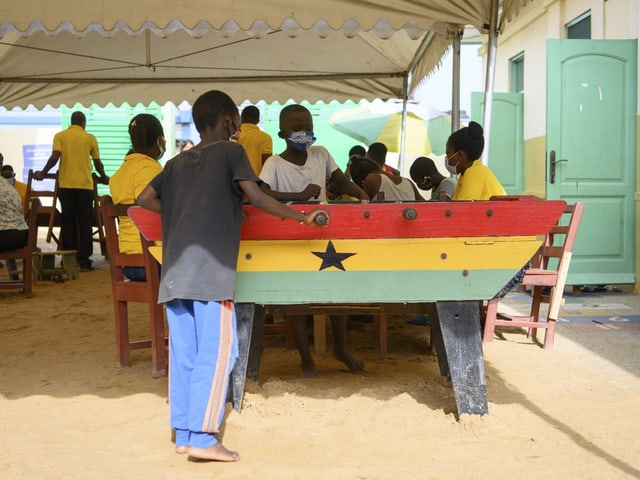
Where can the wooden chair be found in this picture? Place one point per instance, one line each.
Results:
(549, 269)
(25, 254)
(49, 215)
(125, 291)
(98, 227)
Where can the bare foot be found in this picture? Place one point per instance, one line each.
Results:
(182, 449)
(216, 452)
(353, 364)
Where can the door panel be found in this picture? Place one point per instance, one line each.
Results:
(506, 154)
(591, 131)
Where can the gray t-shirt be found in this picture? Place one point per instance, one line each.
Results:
(201, 203)
(448, 185)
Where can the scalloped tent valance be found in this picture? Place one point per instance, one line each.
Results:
(123, 51)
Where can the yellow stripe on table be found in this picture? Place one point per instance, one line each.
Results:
(469, 253)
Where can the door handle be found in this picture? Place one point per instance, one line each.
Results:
(552, 165)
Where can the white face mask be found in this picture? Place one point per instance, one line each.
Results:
(451, 168)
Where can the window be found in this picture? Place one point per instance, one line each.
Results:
(517, 73)
(579, 27)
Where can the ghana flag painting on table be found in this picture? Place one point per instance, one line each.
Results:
(450, 253)
(391, 252)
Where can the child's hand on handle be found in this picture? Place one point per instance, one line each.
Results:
(317, 217)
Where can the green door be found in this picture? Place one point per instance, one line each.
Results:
(506, 144)
(591, 151)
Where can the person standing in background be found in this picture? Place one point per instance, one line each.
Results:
(257, 144)
(73, 147)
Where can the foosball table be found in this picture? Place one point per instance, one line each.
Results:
(438, 258)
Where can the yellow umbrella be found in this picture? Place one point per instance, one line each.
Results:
(370, 124)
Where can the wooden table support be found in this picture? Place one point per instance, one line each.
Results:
(244, 326)
(458, 339)
(457, 336)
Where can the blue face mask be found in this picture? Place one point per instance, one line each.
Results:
(302, 140)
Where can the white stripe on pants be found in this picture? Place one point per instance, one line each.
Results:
(203, 348)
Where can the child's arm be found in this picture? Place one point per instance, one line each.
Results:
(267, 203)
(344, 185)
(149, 199)
(311, 191)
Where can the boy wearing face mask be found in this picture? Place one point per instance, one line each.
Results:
(300, 173)
(140, 166)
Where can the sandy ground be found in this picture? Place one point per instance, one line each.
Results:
(68, 412)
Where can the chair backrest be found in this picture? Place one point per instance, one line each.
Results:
(49, 215)
(98, 230)
(109, 213)
(32, 220)
(49, 190)
(561, 238)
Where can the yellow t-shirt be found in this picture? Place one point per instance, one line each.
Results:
(477, 183)
(255, 143)
(125, 185)
(75, 147)
(22, 190)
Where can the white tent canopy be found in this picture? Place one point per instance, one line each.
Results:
(151, 50)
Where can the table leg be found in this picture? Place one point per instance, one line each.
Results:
(244, 323)
(255, 347)
(462, 339)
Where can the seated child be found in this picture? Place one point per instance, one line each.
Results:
(427, 177)
(140, 166)
(299, 174)
(379, 185)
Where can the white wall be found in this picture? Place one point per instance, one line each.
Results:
(13, 138)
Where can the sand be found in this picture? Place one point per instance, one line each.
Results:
(68, 412)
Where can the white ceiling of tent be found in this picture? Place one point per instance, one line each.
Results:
(161, 50)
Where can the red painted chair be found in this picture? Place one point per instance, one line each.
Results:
(125, 291)
(550, 268)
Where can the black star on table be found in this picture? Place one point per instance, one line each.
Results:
(331, 258)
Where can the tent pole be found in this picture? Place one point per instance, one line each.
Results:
(455, 88)
(490, 80)
(403, 129)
